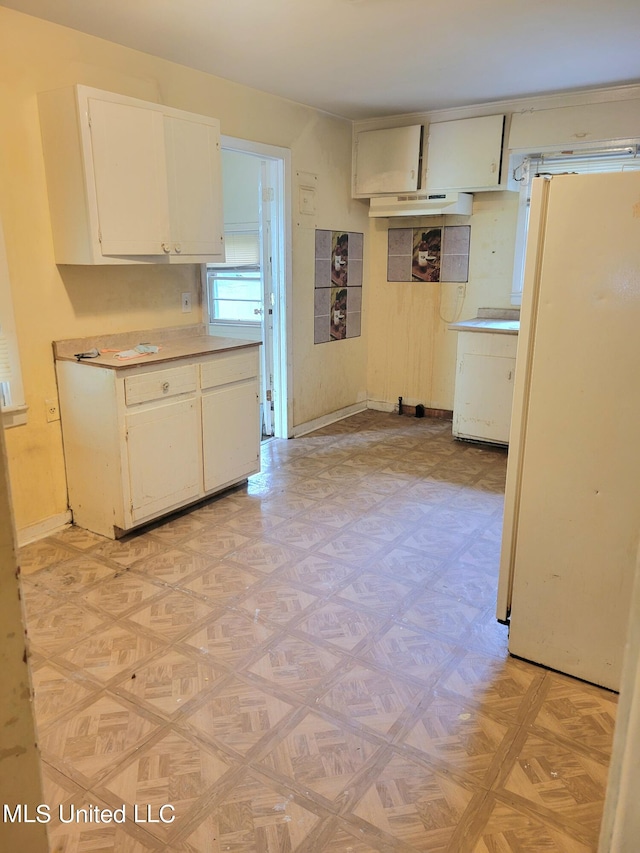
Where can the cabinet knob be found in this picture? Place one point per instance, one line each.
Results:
(165, 387)
(166, 248)
(178, 248)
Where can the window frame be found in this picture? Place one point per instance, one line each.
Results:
(613, 157)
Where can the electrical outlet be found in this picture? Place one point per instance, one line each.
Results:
(53, 412)
(186, 302)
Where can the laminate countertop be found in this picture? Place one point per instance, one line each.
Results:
(504, 321)
(174, 343)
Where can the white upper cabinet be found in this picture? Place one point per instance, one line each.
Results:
(130, 181)
(386, 161)
(465, 154)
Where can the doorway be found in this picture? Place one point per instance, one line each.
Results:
(247, 296)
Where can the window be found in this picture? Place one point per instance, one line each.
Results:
(234, 288)
(533, 165)
(14, 410)
(234, 296)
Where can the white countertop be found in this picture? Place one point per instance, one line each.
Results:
(503, 321)
(482, 324)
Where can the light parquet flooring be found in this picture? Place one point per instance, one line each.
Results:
(310, 663)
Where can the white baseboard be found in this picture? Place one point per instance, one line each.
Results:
(43, 528)
(331, 418)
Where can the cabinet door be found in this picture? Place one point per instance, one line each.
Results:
(465, 154)
(164, 457)
(129, 160)
(387, 161)
(230, 427)
(195, 186)
(483, 397)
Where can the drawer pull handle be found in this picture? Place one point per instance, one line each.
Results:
(165, 387)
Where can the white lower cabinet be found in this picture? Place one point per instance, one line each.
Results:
(484, 386)
(142, 442)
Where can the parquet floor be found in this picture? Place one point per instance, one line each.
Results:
(310, 663)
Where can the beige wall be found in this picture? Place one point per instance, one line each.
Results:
(412, 352)
(52, 302)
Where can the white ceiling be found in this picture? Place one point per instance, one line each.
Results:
(365, 58)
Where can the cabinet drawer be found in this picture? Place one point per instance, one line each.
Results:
(160, 384)
(229, 367)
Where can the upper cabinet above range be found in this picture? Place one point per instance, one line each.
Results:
(387, 161)
(130, 181)
(462, 156)
(465, 154)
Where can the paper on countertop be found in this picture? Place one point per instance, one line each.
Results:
(141, 349)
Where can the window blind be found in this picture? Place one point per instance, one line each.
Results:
(5, 360)
(242, 249)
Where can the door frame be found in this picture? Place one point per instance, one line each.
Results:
(280, 162)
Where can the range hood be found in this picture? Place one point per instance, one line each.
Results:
(421, 204)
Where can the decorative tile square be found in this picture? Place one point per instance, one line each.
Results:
(506, 828)
(352, 548)
(300, 534)
(216, 542)
(407, 652)
(317, 572)
(239, 715)
(230, 638)
(320, 756)
(458, 737)
(254, 816)
(277, 602)
(368, 697)
(55, 692)
(96, 738)
(171, 771)
(171, 615)
(295, 665)
(120, 593)
(442, 615)
(109, 652)
(128, 551)
(377, 592)
(55, 626)
(265, 556)
(579, 712)
(339, 625)
(168, 683)
(414, 805)
(173, 566)
(75, 575)
(557, 780)
(500, 686)
(222, 582)
(39, 555)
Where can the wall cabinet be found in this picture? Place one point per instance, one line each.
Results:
(484, 386)
(466, 154)
(386, 161)
(130, 181)
(463, 155)
(144, 441)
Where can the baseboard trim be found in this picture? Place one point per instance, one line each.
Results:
(43, 528)
(325, 420)
(407, 409)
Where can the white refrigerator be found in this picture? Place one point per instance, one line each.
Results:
(572, 501)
